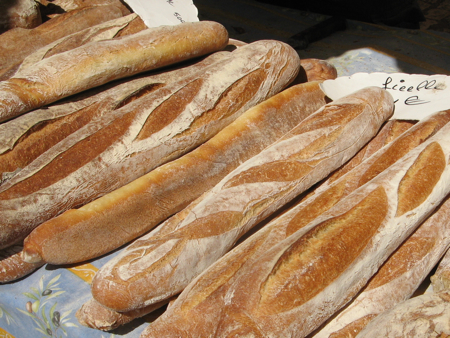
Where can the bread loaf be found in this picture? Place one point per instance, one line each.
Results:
(297, 271)
(121, 26)
(19, 13)
(316, 70)
(26, 137)
(95, 316)
(17, 43)
(100, 62)
(440, 280)
(142, 204)
(162, 263)
(125, 144)
(397, 279)
(13, 267)
(422, 316)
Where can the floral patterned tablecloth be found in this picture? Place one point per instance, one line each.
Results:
(44, 304)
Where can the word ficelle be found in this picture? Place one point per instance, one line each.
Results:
(424, 85)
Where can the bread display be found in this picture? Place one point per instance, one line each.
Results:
(291, 287)
(160, 264)
(142, 204)
(100, 62)
(26, 137)
(422, 316)
(122, 26)
(398, 278)
(18, 43)
(128, 142)
(176, 182)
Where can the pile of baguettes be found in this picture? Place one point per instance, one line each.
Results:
(242, 200)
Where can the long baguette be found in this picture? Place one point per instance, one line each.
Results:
(397, 279)
(13, 267)
(426, 315)
(290, 288)
(121, 26)
(125, 144)
(142, 204)
(18, 43)
(162, 263)
(100, 62)
(28, 136)
(92, 313)
(440, 280)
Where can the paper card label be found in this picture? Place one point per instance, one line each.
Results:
(156, 13)
(415, 96)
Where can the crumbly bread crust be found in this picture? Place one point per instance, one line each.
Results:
(142, 204)
(17, 43)
(162, 263)
(100, 62)
(293, 274)
(125, 144)
(426, 315)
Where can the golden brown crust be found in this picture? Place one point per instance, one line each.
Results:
(315, 70)
(22, 13)
(234, 302)
(129, 157)
(229, 210)
(13, 267)
(17, 43)
(71, 72)
(172, 186)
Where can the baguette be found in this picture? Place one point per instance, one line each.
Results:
(21, 13)
(122, 26)
(142, 204)
(426, 315)
(17, 43)
(125, 144)
(100, 62)
(316, 70)
(289, 287)
(397, 279)
(92, 313)
(96, 316)
(12, 265)
(440, 280)
(28, 136)
(187, 243)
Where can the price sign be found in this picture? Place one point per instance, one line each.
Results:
(415, 96)
(156, 13)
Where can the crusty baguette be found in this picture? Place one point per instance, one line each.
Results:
(13, 267)
(19, 13)
(17, 43)
(125, 144)
(162, 263)
(426, 315)
(440, 280)
(316, 70)
(96, 316)
(142, 204)
(100, 62)
(290, 287)
(26, 137)
(397, 279)
(125, 25)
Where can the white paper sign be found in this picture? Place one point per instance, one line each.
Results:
(415, 96)
(156, 13)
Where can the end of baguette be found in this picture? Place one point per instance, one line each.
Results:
(31, 255)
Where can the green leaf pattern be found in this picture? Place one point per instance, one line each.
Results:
(43, 309)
